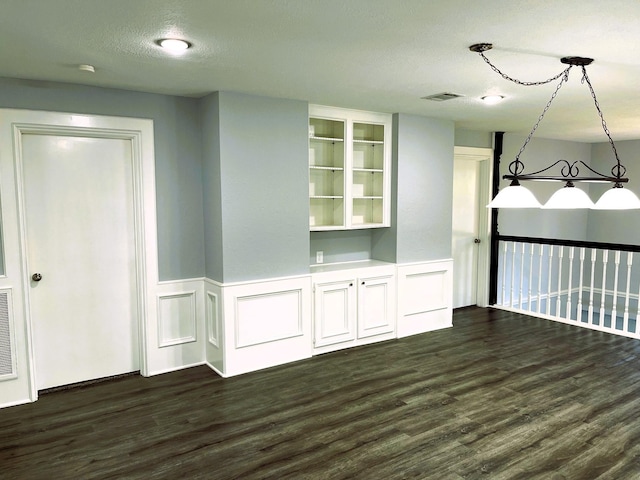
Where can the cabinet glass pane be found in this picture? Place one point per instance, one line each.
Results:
(368, 132)
(323, 128)
(323, 182)
(367, 155)
(323, 153)
(326, 212)
(367, 211)
(367, 184)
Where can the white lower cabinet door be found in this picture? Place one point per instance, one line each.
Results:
(335, 312)
(376, 306)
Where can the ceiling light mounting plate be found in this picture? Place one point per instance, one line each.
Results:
(480, 47)
(576, 61)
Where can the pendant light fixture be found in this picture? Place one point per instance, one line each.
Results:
(568, 197)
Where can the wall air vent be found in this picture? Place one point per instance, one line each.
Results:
(441, 97)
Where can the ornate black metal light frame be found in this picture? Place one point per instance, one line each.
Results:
(569, 171)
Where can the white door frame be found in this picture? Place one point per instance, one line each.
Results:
(140, 133)
(484, 157)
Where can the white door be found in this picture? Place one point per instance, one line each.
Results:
(470, 226)
(79, 212)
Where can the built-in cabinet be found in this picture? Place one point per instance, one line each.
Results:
(354, 304)
(349, 169)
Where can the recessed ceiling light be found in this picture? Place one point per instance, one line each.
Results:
(492, 99)
(87, 68)
(174, 45)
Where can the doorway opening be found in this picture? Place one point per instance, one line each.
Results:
(471, 231)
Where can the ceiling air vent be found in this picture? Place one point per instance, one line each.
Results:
(441, 97)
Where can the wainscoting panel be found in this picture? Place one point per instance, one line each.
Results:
(180, 325)
(425, 297)
(253, 327)
(177, 318)
(213, 319)
(214, 347)
(267, 323)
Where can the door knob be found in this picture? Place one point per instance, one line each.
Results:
(477, 240)
(36, 277)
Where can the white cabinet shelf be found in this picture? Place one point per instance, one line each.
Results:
(333, 169)
(349, 169)
(326, 139)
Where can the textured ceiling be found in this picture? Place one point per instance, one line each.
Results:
(380, 55)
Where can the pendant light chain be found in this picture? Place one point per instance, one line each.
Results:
(517, 196)
(618, 170)
(520, 82)
(516, 167)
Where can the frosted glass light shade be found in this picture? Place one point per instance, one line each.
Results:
(569, 197)
(617, 198)
(514, 196)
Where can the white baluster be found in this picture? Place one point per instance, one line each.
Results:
(504, 271)
(521, 294)
(614, 309)
(593, 272)
(625, 317)
(579, 309)
(635, 330)
(540, 278)
(559, 292)
(568, 313)
(603, 288)
(513, 274)
(550, 257)
(530, 274)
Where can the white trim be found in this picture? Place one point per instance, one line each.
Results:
(215, 370)
(181, 281)
(485, 158)
(258, 281)
(426, 264)
(140, 133)
(176, 368)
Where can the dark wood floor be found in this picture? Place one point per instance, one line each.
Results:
(498, 396)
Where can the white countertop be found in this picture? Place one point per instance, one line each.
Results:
(334, 267)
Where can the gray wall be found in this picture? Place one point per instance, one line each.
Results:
(423, 207)
(263, 184)
(473, 138)
(539, 153)
(615, 226)
(212, 186)
(177, 154)
(341, 246)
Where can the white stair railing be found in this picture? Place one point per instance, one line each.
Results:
(536, 271)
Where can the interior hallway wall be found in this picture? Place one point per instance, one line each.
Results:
(257, 187)
(177, 154)
(423, 192)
